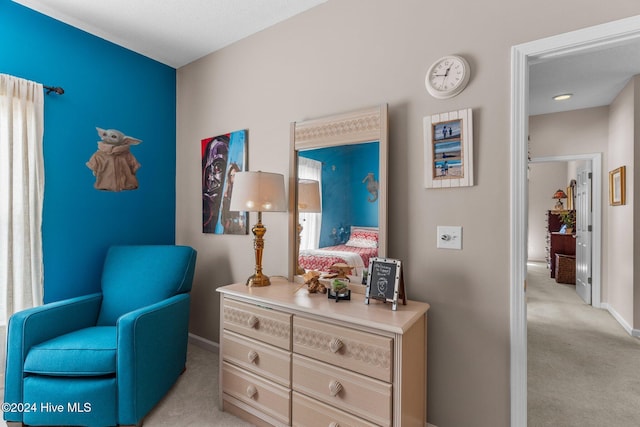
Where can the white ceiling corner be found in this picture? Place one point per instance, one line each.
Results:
(174, 32)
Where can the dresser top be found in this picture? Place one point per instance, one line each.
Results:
(292, 297)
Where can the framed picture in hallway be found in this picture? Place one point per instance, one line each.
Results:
(617, 186)
(448, 149)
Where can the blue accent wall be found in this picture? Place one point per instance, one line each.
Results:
(345, 199)
(109, 87)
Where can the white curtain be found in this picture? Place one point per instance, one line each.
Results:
(311, 222)
(21, 194)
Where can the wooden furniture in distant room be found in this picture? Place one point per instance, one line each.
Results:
(557, 243)
(565, 269)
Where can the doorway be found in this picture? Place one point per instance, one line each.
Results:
(590, 39)
(595, 265)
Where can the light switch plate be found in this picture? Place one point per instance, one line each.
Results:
(449, 237)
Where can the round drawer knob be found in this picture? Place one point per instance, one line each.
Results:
(251, 391)
(336, 344)
(253, 321)
(252, 356)
(334, 424)
(334, 388)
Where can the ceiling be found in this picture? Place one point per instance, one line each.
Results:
(594, 78)
(177, 32)
(174, 32)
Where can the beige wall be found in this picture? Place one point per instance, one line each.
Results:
(349, 54)
(544, 180)
(621, 275)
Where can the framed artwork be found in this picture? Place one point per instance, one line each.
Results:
(222, 156)
(448, 149)
(617, 186)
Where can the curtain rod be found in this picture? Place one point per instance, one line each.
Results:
(55, 89)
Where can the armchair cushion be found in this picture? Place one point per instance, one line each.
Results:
(86, 352)
(138, 276)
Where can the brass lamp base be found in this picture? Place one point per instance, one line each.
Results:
(256, 281)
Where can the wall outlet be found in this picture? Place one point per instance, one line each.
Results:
(449, 237)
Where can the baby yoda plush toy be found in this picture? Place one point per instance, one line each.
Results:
(113, 164)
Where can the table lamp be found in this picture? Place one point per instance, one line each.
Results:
(258, 192)
(308, 202)
(559, 195)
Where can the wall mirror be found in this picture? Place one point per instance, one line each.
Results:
(338, 193)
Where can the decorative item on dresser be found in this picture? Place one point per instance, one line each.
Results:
(289, 357)
(557, 242)
(559, 195)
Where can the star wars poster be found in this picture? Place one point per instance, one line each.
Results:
(222, 157)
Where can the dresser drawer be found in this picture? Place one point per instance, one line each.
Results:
(311, 413)
(262, 359)
(358, 351)
(269, 398)
(358, 394)
(263, 324)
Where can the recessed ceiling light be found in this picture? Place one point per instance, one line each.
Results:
(562, 97)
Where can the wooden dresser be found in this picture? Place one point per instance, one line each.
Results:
(293, 358)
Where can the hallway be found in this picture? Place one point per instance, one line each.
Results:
(583, 368)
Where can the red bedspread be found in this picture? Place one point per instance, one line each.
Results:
(311, 259)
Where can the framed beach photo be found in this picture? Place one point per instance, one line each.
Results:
(617, 186)
(448, 149)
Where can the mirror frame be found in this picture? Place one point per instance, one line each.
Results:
(355, 127)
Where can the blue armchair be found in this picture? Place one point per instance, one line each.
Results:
(107, 358)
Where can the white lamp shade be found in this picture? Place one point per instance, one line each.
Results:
(308, 196)
(258, 192)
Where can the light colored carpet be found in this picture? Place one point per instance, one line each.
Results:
(583, 367)
(193, 400)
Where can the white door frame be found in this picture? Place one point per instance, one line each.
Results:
(600, 36)
(596, 218)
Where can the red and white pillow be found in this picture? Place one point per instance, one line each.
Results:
(363, 238)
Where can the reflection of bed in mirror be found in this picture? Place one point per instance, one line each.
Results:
(355, 252)
(346, 154)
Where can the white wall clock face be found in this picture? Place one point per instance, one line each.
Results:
(447, 77)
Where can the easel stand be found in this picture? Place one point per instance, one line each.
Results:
(383, 273)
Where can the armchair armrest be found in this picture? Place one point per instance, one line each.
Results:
(152, 348)
(38, 324)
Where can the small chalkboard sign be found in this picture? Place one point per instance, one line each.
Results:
(385, 282)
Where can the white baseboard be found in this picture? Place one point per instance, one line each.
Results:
(430, 425)
(204, 343)
(621, 320)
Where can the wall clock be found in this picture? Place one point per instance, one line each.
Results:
(447, 77)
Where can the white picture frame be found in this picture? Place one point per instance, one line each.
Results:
(448, 149)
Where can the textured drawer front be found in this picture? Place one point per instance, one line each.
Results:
(259, 358)
(269, 398)
(266, 325)
(362, 352)
(358, 394)
(311, 413)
